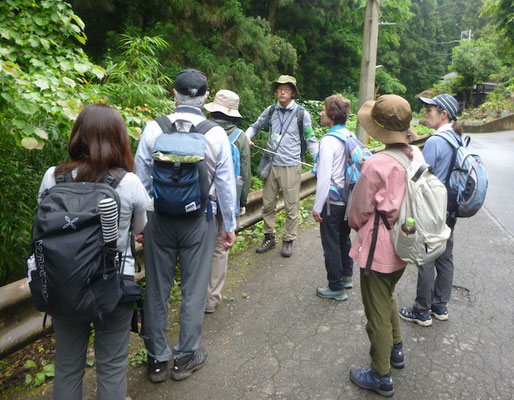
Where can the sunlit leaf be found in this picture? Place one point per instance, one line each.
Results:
(82, 68)
(29, 143)
(69, 82)
(98, 71)
(41, 133)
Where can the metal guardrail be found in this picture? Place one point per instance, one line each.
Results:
(21, 323)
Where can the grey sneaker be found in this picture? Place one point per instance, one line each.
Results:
(157, 370)
(184, 367)
(327, 293)
(287, 248)
(347, 282)
(268, 243)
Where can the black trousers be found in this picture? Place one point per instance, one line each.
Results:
(335, 238)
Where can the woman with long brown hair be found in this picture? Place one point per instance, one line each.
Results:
(99, 146)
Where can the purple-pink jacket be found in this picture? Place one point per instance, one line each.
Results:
(381, 187)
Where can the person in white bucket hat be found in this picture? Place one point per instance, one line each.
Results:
(224, 111)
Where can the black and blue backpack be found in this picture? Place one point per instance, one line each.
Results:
(180, 181)
(466, 181)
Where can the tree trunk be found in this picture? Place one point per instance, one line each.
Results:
(272, 14)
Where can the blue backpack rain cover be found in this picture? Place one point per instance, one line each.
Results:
(356, 154)
(466, 181)
(179, 174)
(236, 161)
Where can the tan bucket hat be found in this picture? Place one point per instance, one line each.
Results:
(283, 79)
(388, 119)
(226, 102)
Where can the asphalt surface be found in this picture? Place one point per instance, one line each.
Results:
(273, 338)
(497, 152)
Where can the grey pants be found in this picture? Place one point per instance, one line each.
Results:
(192, 242)
(111, 355)
(432, 289)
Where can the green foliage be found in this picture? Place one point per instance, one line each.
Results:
(38, 378)
(40, 68)
(139, 357)
(474, 61)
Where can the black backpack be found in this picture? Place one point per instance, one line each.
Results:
(180, 181)
(72, 273)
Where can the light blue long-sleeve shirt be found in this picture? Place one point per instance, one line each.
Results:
(220, 169)
(438, 152)
(285, 122)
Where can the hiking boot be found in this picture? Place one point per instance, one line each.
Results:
(268, 243)
(397, 358)
(420, 317)
(211, 309)
(368, 378)
(347, 282)
(327, 293)
(184, 367)
(440, 312)
(157, 370)
(287, 248)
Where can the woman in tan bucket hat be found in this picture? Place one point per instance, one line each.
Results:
(381, 187)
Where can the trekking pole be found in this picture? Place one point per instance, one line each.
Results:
(278, 154)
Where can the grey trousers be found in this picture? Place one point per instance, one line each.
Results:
(111, 355)
(432, 289)
(192, 242)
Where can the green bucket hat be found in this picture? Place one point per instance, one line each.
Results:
(283, 79)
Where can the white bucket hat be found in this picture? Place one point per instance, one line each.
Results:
(226, 102)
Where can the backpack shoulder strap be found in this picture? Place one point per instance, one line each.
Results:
(205, 126)
(66, 178)
(165, 124)
(399, 156)
(338, 134)
(450, 138)
(232, 138)
(114, 178)
(299, 117)
(272, 109)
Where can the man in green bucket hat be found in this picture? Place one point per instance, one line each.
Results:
(290, 134)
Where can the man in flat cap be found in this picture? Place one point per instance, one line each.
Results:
(290, 134)
(187, 233)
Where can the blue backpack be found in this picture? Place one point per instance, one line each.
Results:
(356, 154)
(466, 181)
(236, 161)
(179, 174)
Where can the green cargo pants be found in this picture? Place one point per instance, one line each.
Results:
(383, 325)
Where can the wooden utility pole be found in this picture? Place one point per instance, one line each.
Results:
(369, 58)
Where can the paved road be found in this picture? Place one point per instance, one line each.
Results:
(283, 342)
(497, 152)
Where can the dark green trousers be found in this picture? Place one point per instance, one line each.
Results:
(383, 325)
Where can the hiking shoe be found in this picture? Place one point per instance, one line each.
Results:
(210, 309)
(157, 370)
(419, 317)
(397, 358)
(184, 367)
(440, 312)
(368, 378)
(287, 248)
(268, 243)
(327, 293)
(347, 282)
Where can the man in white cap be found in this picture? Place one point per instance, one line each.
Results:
(224, 111)
(290, 134)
